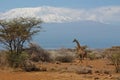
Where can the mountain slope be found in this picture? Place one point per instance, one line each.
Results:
(49, 14)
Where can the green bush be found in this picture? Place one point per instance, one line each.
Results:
(3, 61)
(16, 60)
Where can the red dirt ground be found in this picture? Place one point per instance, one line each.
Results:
(58, 72)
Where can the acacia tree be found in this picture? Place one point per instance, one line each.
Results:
(15, 32)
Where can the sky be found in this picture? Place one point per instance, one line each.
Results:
(76, 4)
(103, 11)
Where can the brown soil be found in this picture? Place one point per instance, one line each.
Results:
(64, 71)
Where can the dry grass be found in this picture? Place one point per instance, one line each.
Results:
(65, 71)
(88, 70)
(113, 55)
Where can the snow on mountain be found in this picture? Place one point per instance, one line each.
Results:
(47, 14)
(56, 15)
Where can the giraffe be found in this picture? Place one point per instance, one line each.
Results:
(79, 50)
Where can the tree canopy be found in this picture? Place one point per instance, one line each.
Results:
(15, 32)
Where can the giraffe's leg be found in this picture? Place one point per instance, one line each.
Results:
(85, 55)
(81, 58)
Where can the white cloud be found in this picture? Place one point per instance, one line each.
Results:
(52, 14)
(107, 14)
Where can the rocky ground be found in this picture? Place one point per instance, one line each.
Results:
(65, 66)
(88, 70)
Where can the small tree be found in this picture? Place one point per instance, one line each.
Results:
(14, 33)
(113, 54)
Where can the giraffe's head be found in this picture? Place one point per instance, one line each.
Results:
(74, 40)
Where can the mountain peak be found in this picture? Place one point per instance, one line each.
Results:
(46, 13)
(59, 15)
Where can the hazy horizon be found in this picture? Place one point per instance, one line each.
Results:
(87, 32)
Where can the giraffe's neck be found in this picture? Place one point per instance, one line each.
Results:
(78, 45)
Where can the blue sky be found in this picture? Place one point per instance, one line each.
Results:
(10, 4)
(103, 11)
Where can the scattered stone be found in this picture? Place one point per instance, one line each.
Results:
(98, 71)
(57, 62)
(89, 66)
(96, 78)
(43, 69)
(84, 70)
(118, 78)
(88, 76)
(52, 69)
(105, 77)
(106, 72)
(101, 74)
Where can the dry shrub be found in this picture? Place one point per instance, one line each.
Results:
(65, 56)
(113, 54)
(115, 59)
(95, 55)
(28, 66)
(91, 56)
(37, 53)
(3, 59)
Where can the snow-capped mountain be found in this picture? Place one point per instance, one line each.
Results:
(47, 14)
(54, 14)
